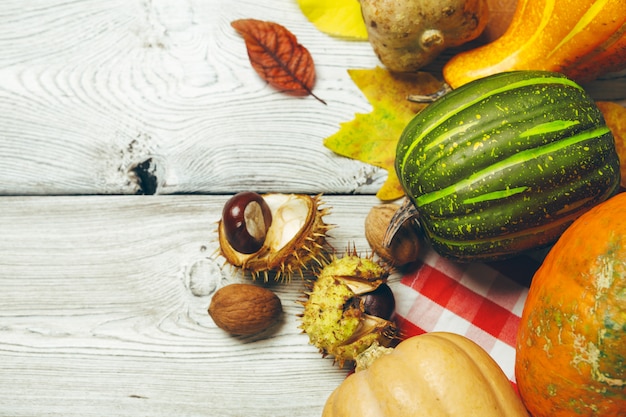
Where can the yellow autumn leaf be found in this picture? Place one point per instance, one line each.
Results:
(373, 137)
(341, 18)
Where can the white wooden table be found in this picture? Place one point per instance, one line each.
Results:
(104, 292)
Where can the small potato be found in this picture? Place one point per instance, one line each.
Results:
(407, 35)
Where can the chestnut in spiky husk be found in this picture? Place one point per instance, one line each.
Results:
(349, 308)
(273, 233)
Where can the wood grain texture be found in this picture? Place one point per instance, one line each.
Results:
(91, 89)
(93, 93)
(103, 311)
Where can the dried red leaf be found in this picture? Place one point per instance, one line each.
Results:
(277, 57)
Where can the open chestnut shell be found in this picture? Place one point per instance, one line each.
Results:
(294, 239)
(349, 307)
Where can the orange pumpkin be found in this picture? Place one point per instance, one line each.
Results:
(571, 346)
(615, 118)
(579, 38)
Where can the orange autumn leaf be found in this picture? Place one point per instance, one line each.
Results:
(372, 137)
(615, 117)
(277, 57)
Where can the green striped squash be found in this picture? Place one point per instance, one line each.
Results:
(504, 164)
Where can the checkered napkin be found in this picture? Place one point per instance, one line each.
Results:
(481, 301)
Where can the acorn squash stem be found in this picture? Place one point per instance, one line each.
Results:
(429, 98)
(406, 212)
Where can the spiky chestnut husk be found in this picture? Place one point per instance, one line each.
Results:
(334, 314)
(295, 240)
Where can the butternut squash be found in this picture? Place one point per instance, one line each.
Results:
(433, 374)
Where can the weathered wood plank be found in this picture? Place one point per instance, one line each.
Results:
(93, 92)
(90, 90)
(103, 312)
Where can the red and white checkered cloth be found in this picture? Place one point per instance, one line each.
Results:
(481, 301)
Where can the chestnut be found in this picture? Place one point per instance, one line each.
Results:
(380, 302)
(246, 217)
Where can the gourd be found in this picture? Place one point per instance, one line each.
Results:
(433, 374)
(582, 39)
(406, 35)
(615, 117)
(504, 164)
(571, 345)
(500, 16)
